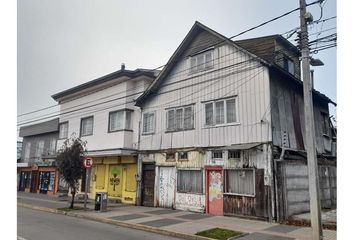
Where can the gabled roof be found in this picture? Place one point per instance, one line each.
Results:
(193, 32)
(105, 79)
(246, 46)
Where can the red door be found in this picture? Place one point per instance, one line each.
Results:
(215, 191)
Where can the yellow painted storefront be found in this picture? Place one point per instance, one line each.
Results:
(116, 176)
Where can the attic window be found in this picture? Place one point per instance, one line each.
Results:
(201, 62)
(289, 65)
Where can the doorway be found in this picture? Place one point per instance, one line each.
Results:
(214, 187)
(148, 183)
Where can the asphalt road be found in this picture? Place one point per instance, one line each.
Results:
(37, 225)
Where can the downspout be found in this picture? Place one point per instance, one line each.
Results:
(139, 165)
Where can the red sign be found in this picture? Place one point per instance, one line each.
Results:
(88, 162)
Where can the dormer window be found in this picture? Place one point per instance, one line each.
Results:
(202, 61)
(289, 65)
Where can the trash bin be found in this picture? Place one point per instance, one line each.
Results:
(101, 201)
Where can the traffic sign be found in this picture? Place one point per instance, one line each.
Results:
(88, 162)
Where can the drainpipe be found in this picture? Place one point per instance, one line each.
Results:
(139, 166)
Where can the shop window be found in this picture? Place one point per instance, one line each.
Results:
(190, 181)
(240, 181)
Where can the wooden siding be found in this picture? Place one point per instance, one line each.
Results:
(233, 74)
(292, 186)
(249, 206)
(288, 121)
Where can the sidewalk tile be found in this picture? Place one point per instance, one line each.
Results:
(263, 236)
(282, 228)
(195, 216)
(128, 217)
(161, 222)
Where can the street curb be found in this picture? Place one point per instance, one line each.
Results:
(118, 223)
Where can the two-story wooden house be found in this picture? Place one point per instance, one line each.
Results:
(102, 112)
(36, 169)
(218, 119)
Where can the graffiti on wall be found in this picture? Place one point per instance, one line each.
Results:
(114, 179)
(215, 186)
(167, 182)
(190, 200)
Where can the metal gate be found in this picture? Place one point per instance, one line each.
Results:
(167, 187)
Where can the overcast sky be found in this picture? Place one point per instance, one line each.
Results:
(65, 43)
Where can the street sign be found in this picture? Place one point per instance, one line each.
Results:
(88, 162)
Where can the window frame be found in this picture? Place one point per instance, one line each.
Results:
(225, 123)
(230, 158)
(182, 128)
(288, 60)
(217, 151)
(153, 124)
(182, 159)
(81, 121)
(126, 127)
(186, 191)
(168, 159)
(39, 149)
(325, 123)
(200, 67)
(67, 130)
(225, 192)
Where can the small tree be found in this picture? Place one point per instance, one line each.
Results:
(70, 163)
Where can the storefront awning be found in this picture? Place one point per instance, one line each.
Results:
(243, 146)
(110, 152)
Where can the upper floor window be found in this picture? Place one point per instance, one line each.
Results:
(39, 148)
(325, 123)
(202, 61)
(52, 146)
(289, 65)
(149, 122)
(86, 128)
(180, 118)
(63, 130)
(220, 112)
(119, 120)
(27, 150)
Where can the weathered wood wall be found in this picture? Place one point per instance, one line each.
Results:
(293, 187)
(256, 206)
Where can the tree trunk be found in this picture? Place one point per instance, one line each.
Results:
(72, 198)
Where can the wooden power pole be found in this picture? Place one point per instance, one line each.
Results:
(315, 204)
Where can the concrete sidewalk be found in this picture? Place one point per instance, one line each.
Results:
(175, 222)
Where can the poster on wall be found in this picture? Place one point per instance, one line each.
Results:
(51, 181)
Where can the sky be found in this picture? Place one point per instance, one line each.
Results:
(61, 44)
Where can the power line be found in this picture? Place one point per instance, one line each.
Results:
(115, 105)
(250, 29)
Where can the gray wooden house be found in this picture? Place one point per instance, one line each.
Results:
(222, 130)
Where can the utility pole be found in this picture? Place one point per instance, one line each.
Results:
(315, 204)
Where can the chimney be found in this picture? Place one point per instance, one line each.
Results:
(122, 67)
